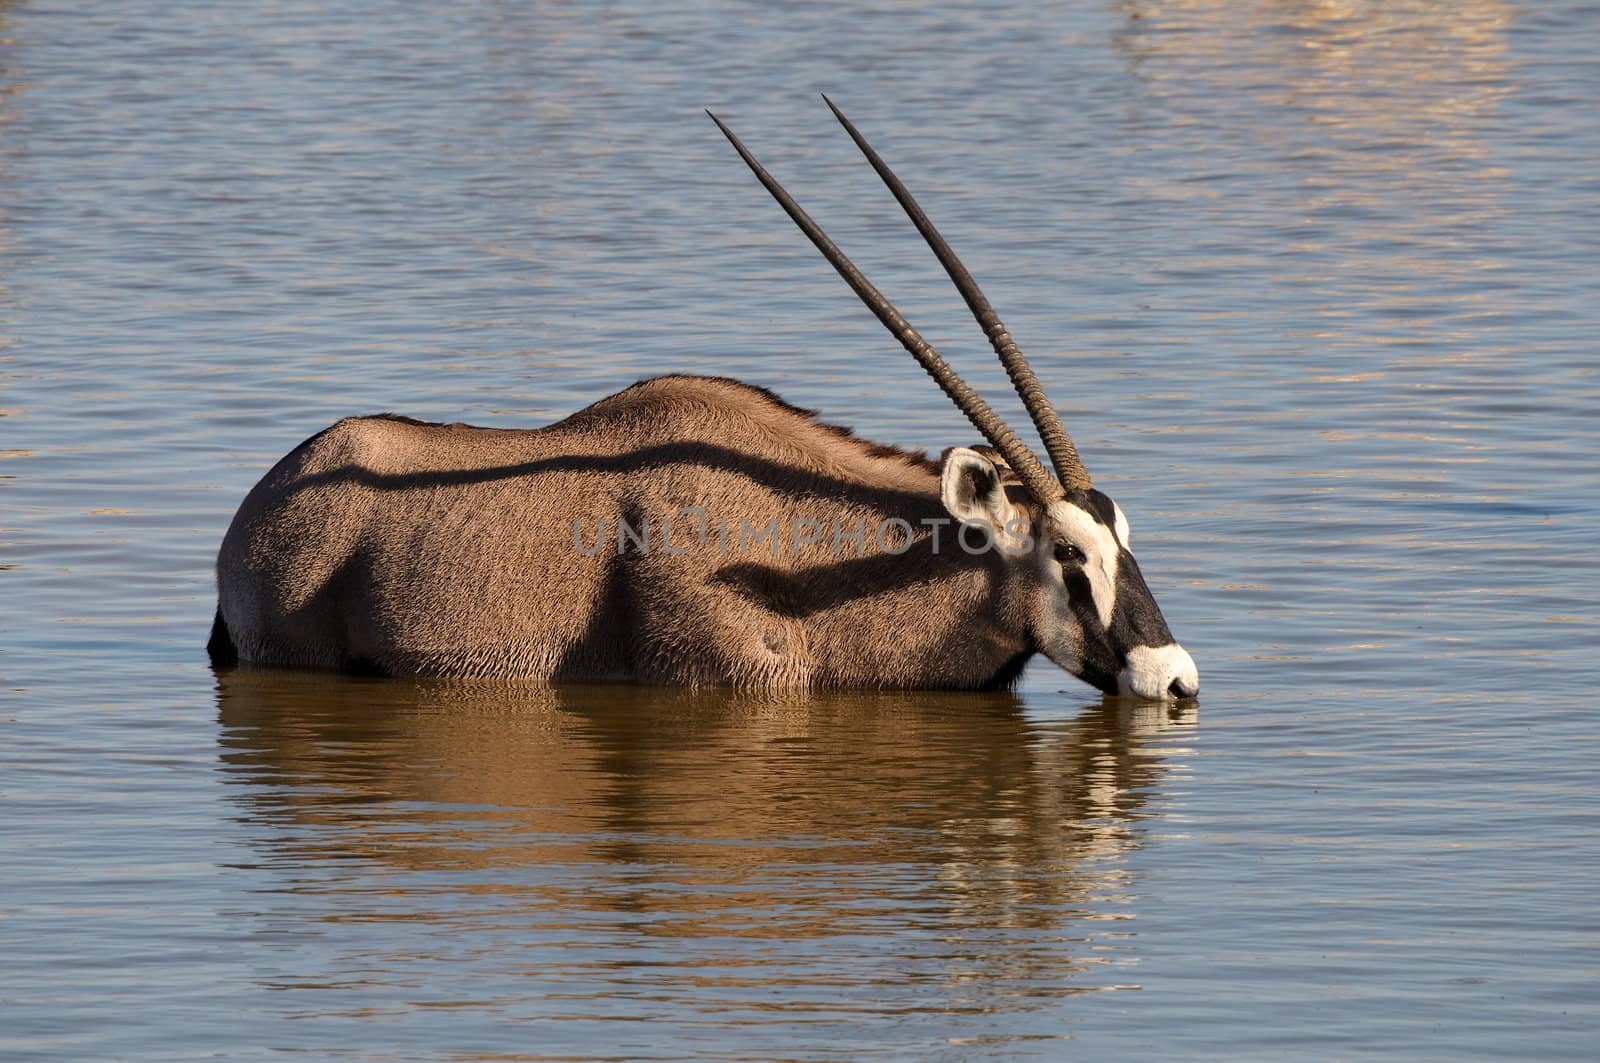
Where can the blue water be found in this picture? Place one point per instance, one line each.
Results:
(1314, 285)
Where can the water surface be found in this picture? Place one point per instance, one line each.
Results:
(1313, 283)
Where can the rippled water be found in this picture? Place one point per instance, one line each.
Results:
(1314, 283)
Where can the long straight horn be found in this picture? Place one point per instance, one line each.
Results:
(1035, 476)
(1057, 443)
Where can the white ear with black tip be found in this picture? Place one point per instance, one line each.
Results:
(970, 488)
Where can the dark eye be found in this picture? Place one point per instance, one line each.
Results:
(1068, 554)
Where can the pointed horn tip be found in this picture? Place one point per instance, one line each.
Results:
(840, 115)
(733, 138)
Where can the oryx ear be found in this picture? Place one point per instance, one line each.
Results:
(970, 488)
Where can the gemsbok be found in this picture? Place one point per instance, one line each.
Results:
(696, 530)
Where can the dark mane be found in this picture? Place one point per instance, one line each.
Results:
(770, 398)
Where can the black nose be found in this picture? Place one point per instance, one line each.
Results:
(1178, 690)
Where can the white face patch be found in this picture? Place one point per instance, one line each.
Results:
(1099, 548)
(1122, 527)
(1152, 671)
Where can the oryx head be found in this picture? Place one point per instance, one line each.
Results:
(1070, 570)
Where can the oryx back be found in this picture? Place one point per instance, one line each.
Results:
(606, 546)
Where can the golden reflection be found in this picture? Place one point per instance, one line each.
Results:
(1359, 126)
(1391, 69)
(707, 817)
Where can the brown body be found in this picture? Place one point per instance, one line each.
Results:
(389, 545)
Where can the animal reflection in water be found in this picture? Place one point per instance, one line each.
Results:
(698, 531)
(795, 815)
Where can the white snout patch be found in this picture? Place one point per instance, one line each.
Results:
(1100, 549)
(1150, 671)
